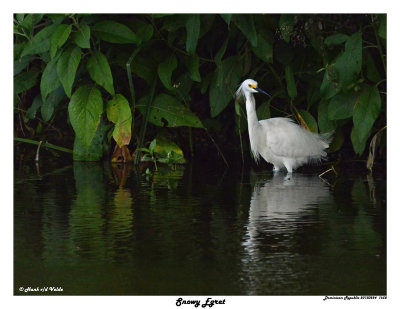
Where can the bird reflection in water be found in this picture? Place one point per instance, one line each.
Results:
(282, 209)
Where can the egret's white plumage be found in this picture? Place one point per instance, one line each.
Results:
(280, 141)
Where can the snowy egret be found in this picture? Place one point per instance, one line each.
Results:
(280, 141)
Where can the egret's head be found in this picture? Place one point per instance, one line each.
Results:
(249, 86)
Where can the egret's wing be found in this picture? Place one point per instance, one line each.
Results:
(287, 139)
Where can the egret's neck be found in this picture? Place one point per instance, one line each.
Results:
(251, 111)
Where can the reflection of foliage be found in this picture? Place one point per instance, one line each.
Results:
(327, 71)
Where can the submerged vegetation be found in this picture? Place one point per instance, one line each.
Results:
(112, 86)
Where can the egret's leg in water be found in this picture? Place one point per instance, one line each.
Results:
(276, 168)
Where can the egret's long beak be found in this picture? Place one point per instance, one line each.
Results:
(261, 91)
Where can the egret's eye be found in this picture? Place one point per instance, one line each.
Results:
(252, 86)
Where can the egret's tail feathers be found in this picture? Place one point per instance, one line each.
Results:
(326, 138)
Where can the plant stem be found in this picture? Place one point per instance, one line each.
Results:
(45, 144)
(146, 119)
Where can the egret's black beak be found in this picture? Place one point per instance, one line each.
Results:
(261, 91)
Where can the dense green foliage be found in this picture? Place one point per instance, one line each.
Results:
(326, 71)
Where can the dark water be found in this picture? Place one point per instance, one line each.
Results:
(96, 230)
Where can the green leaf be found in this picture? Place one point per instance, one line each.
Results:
(329, 85)
(67, 66)
(192, 33)
(309, 120)
(245, 23)
(324, 123)
(366, 111)
(341, 106)
(336, 39)
(40, 42)
(192, 64)
(165, 70)
(53, 99)
(290, 82)
(82, 37)
(21, 64)
(58, 38)
(119, 112)
(95, 150)
(166, 149)
(348, 64)
(144, 31)
(167, 111)
(286, 25)
(30, 20)
(49, 81)
(358, 142)
(227, 18)
(224, 84)
(221, 51)
(382, 26)
(85, 109)
(113, 32)
(32, 110)
(25, 81)
(100, 71)
(264, 49)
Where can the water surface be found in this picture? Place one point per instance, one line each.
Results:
(93, 229)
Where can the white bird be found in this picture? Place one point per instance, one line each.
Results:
(280, 141)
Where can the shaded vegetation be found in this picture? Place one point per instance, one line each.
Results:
(90, 82)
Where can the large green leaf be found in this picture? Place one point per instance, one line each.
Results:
(348, 64)
(40, 42)
(221, 52)
(144, 31)
(113, 32)
(67, 66)
(286, 24)
(325, 125)
(336, 39)
(382, 26)
(53, 99)
(119, 112)
(227, 18)
(49, 81)
(96, 148)
(21, 64)
(290, 82)
(167, 151)
(366, 111)
(329, 85)
(223, 84)
(309, 121)
(25, 81)
(32, 110)
(82, 37)
(100, 71)
(85, 109)
(342, 105)
(192, 33)
(29, 21)
(192, 64)
(59, 37)
(167, 111)
(245, 23)
(263, 49)
(165, 70)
